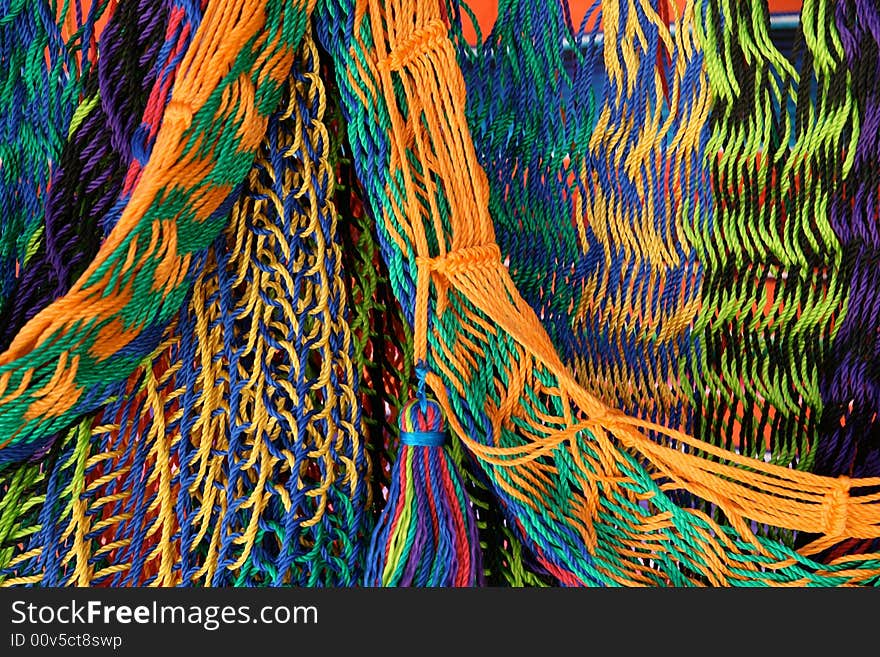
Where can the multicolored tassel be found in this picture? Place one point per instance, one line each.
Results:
(427, 533)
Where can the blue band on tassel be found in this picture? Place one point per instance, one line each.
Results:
(423, 438)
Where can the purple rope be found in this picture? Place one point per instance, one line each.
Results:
(850, 441)
(125, 87)
(94, 161)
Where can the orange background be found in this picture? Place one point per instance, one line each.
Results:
(486, 10)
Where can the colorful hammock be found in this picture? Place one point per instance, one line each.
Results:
(346, 292)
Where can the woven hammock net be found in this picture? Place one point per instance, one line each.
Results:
(630, 250)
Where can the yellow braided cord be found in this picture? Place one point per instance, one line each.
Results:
(630, 260)
(178, 481)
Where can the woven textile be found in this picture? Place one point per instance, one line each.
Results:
(350, 292)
